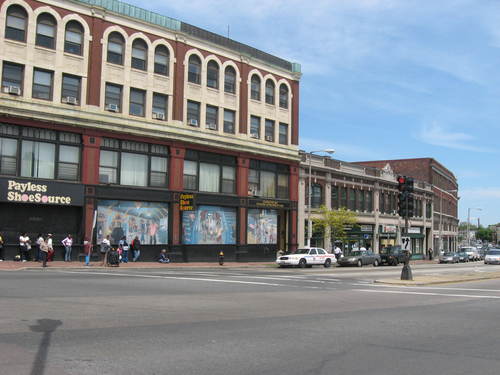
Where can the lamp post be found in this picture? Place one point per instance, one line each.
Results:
(309, 223)
(468, 222)
(441, 217)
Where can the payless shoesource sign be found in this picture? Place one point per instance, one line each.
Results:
(35, 192)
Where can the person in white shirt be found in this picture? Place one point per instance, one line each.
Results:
(24, 246)
(105, 247)
(337, 252)
(50, 253)
(67, 243)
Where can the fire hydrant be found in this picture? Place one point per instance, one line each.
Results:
(221, 258)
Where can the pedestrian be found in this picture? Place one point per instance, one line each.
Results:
(337, 252)
(23, 246)
(44, 250)
(105, 246)
(136, 247)
(67, 243)
(1, 248)
(50, 253)
(38, 251)
(430, 253)
(163, 258)
(87, 250)
(123, 246)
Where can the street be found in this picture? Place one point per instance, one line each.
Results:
(246, 321)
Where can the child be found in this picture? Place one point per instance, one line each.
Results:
(163, 257)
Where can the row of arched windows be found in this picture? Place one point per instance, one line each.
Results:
(46, 30)
(255, 91)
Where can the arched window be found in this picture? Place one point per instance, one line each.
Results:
(255, 87)
(194, 69)
(15, 27)
(283, 96)
(46, 31)
(139, 54)
(161, 60)
(213, 74)
(269, 92)
(116, 45)
(230, 80)
(73, 38)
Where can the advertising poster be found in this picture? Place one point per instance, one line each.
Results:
(262, 227)
(209, 225)
(147, 220)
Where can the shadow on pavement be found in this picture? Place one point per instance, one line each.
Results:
(47, 326)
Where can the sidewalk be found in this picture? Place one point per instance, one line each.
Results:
(16, 266)
(441, 279)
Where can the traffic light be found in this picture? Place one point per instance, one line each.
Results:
(406, 203)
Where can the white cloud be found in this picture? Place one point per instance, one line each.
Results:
(437, 135)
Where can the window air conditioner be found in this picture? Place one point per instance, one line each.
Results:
(70, 100)
(13, 90)
(254, 135)
(112, 108)
(193, 122)
(212, 126)
(269, 138)
(103, 178)
(159, 115)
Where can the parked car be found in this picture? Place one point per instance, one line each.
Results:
(307, 258)
(392, 255)
(360, 258)
(492, 256)
(449, 258)
(471, 252)
(463, 257)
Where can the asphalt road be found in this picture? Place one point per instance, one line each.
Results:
(247, 321)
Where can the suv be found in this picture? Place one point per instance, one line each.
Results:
(392, 255)
(471, 252)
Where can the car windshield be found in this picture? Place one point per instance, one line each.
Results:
(494, 252)
(466, 249)
(462, 254)
(387, 250)
(449, 254)
(302, 251)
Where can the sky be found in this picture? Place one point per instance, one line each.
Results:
(383, 79)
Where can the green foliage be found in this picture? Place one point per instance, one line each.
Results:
(334, 220)
(484, 234)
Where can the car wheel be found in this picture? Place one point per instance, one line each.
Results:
(302, 263)
(375, 263)
(360, 263)
(328, 263)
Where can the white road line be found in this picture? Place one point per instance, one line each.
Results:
(173, 277)
(426, 293)
(435, 288)
(277, 278)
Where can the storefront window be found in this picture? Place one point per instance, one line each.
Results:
(190, 175)
(209, 225)
(283, 186)
(268, 180)
(8, 156)
(335, 197)
(361, 200)
(69, 161)
(316, 195)
(343, 197)
(209, 177)
(369, 201)
(38, 159)
(268, 184)
(352, 199)
(262, 226)
(134, 169)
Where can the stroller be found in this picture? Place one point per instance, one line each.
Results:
(113, 258)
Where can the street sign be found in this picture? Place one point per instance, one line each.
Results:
(406, 243)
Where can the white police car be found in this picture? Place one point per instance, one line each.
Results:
(307, 258)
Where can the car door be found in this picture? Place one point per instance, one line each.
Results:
(370, 257)
(321, 256)
(313, 255)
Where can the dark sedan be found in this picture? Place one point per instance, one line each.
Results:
(463, 256)
(392, 255)
(360, 258)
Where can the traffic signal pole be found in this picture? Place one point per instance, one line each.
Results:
(406, 209)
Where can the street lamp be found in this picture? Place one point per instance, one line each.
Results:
(309, 223)
(441, 217)
(468, 222)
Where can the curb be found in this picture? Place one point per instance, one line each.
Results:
(435, 282)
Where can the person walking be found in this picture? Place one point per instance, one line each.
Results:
(44, 250)
(136, 247)
(430, 253)
(67, 243)
(123, 246)
(23, 246)
(50, 253)
(38, 251)
(337, 252)
(1, 248)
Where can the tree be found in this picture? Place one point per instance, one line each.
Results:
(334, 222)
(484, 234)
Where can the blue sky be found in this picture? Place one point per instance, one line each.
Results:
(384, 79)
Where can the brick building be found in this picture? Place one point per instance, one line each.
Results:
(372, 194)
(118, 121)
(445, 195)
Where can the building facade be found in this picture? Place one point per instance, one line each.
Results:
(445, 195)
(119, 121)
(371, 193)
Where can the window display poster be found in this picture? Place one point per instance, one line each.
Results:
(209, 225)
(147, 220)
(262, 226)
